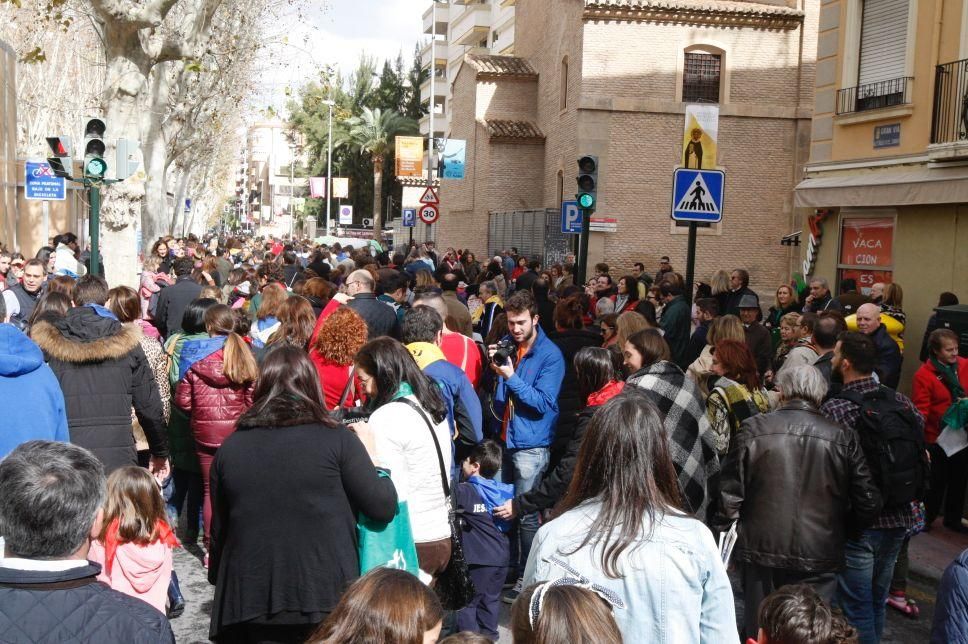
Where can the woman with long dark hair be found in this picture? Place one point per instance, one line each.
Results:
(409, 422)
(622, 521)
(286, 490)
(597, 381)
(627, 295)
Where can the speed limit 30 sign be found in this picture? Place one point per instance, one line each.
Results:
(428, 213)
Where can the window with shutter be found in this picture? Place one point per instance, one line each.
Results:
(700, 77)
(883, 50)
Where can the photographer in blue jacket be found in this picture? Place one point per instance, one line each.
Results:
(530, 369)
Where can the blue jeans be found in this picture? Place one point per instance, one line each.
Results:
(863, 585)
(181, 487)
(524, 468)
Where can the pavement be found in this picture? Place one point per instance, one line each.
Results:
(929, 553)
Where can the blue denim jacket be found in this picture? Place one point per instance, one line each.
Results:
(533, 390)
(674, 584)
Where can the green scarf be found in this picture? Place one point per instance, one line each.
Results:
(949, 376)
(404, 390)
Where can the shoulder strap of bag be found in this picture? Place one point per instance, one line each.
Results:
(440, 455)
(349, 386)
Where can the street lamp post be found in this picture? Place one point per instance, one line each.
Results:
(329, 165)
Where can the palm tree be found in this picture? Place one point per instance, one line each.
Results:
(372, 133)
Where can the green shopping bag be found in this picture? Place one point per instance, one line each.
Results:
(387, 545)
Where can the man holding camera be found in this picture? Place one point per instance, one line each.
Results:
(530, 369)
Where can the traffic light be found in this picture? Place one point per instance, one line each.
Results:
(587, 182)
(60, 162)
(95, 167)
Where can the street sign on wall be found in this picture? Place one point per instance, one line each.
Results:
(41, 183)
(697, 195)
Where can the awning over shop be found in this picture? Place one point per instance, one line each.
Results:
(885, 187)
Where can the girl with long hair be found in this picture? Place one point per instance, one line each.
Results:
(296, 322)
(627, 296)
(735, 391)
(215, 391)
(135, 543)
(274, 295)
(724, 327)
(563, 613)
(286, 489)
(622, 517)
(409, 421)
(385, 606)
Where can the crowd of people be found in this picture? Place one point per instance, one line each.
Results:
(381, 447)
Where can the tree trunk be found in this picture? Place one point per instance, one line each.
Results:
(178, 209)
(377, 198)
(121, 206)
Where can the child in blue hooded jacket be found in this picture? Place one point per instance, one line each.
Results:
(484, 537)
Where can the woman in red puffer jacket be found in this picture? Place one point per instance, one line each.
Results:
(216, 391)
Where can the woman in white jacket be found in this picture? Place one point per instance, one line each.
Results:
(65, 259)
(622, 527)
(409, 424)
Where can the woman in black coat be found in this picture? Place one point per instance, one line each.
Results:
(598, 382)
(286, 489)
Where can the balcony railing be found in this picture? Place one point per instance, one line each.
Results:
(949, 120)
(873, 96)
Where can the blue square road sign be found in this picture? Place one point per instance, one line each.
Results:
(571, 218)
(697, 195)
(40, 182)
(409, 217)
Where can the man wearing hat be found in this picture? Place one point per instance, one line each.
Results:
(757, 335)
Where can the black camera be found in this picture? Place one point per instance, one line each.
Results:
(505, 349)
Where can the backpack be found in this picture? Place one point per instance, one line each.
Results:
(893, 445)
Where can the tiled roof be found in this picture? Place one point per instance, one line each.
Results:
(517, 130)
(501, 65)
(715, 12)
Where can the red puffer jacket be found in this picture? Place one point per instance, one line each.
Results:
(214, 402)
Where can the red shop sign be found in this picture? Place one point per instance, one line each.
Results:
(867, 242)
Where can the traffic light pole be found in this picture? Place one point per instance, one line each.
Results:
(582, 259)
(94, 192)
(691, 261)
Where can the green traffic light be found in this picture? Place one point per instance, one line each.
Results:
(586, 201)
(95, 168)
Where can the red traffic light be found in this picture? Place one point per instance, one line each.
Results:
(60, 146)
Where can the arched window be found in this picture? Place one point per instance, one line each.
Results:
(703, 74)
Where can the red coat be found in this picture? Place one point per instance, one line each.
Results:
(932, 397)
(333, 377)
(214, 402)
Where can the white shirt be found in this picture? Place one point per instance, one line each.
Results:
(405, 447)
(47, 565)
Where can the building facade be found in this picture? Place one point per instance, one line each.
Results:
(462, 27)
(885, 197)
(272, 159)
(613, 78)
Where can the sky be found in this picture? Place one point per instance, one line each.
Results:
(336, 32)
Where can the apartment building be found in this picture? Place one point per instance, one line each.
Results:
(272, 157)
(462, 27)
(885, 197)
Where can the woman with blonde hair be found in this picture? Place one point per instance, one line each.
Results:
(720, 286)
(628, 323)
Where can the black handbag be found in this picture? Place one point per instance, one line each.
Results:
(453, 586)
(350, 415)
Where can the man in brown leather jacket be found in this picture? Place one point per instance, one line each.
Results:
(798, 484)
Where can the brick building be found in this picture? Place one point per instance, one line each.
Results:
(609, 77)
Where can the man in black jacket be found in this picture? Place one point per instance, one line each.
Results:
(379, 316)
(174, 299)
(757, 336)
(739, 287)
(797, 483)
(103, 372)
(888, 367)
(50, 508)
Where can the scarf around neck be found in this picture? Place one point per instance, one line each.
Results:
(949, 376)
(112, 540)
(425, 353)
(479, 313)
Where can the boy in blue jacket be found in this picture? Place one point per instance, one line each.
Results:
(484, 536)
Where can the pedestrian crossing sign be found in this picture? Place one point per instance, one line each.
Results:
(697, 195)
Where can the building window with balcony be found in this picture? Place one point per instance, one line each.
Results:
(882, 58)
(701, 73)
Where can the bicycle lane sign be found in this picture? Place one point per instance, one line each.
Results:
(41, 183)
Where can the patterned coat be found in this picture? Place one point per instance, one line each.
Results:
(691, 441)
